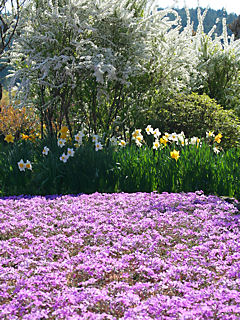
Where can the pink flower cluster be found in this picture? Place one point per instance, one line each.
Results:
(119, 256)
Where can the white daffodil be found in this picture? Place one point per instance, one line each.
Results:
(139, 138)
(98, 146)
(210, 134)
(95, 138)
(77, 145)
(216, 150)
(78, 137)
(173, 137)
(122, 143)
(70, 152)
(138, 143)
(181, 140)
(149, 129)
(113, 141)
(136, 132)
(61, 142)
(156, 133)
(45, 151)
(182, 134)
(156, 144)
(28, 165)
(81, 134)
(21, 165)
(64, 158)
(194, 140)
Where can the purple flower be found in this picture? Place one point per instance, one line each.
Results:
(119, 256)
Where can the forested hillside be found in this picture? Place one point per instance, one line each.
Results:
(210, 19)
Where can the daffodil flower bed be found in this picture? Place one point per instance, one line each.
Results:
(137, 136)
(143, 160)
(119, 256)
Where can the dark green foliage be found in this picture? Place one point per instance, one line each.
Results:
(48, 173)
(90, 171)
(12, 181)
(194, 115)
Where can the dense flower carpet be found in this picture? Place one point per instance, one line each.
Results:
(119, 256)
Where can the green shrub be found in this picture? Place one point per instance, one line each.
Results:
(194, 115)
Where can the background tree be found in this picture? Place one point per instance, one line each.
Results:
(9, 21)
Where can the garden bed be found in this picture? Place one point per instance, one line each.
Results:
(119, 256)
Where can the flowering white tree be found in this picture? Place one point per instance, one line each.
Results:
(88, 52)
(98, 59)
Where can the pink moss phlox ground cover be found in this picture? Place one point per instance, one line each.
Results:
(119, 256)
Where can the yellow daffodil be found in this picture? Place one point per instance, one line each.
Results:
(9, 138)
(198, 142)
(175, 154)
(25, 136)
(218, 138)
(64, 130)
(32, 138)
(164, 140)
(63, 136)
